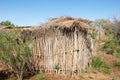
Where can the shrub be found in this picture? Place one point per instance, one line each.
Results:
(112, 32)
(14, 51)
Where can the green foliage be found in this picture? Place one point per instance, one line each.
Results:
(107, 25)
(39, 76)
(110, 45)
(118, 50)
(117, 63)
(117, 55)
(98, 64)
(111, 29)
(105, 68)
(7, 23)
(57, 66)
(14, 51)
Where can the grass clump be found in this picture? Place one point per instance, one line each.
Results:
(117, 55)
(97, 62)
(100, 65)
(39, 76)
(117, 52)
(117, 63)
(105, 68)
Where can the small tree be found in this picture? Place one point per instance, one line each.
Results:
(14, 51)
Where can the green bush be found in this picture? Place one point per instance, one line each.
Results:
(98, 64)
(14, 51)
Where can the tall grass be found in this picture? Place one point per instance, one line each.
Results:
(97, 62)
(101, 66)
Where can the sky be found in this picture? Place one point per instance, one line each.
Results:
(36, 12)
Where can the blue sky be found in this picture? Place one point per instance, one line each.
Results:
(35, 12)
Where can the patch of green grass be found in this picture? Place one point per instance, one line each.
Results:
(117, 63)
(117, 55)
(100, 65)
(97, 62)
(105, 68)
(57, 66)
(39, 76)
